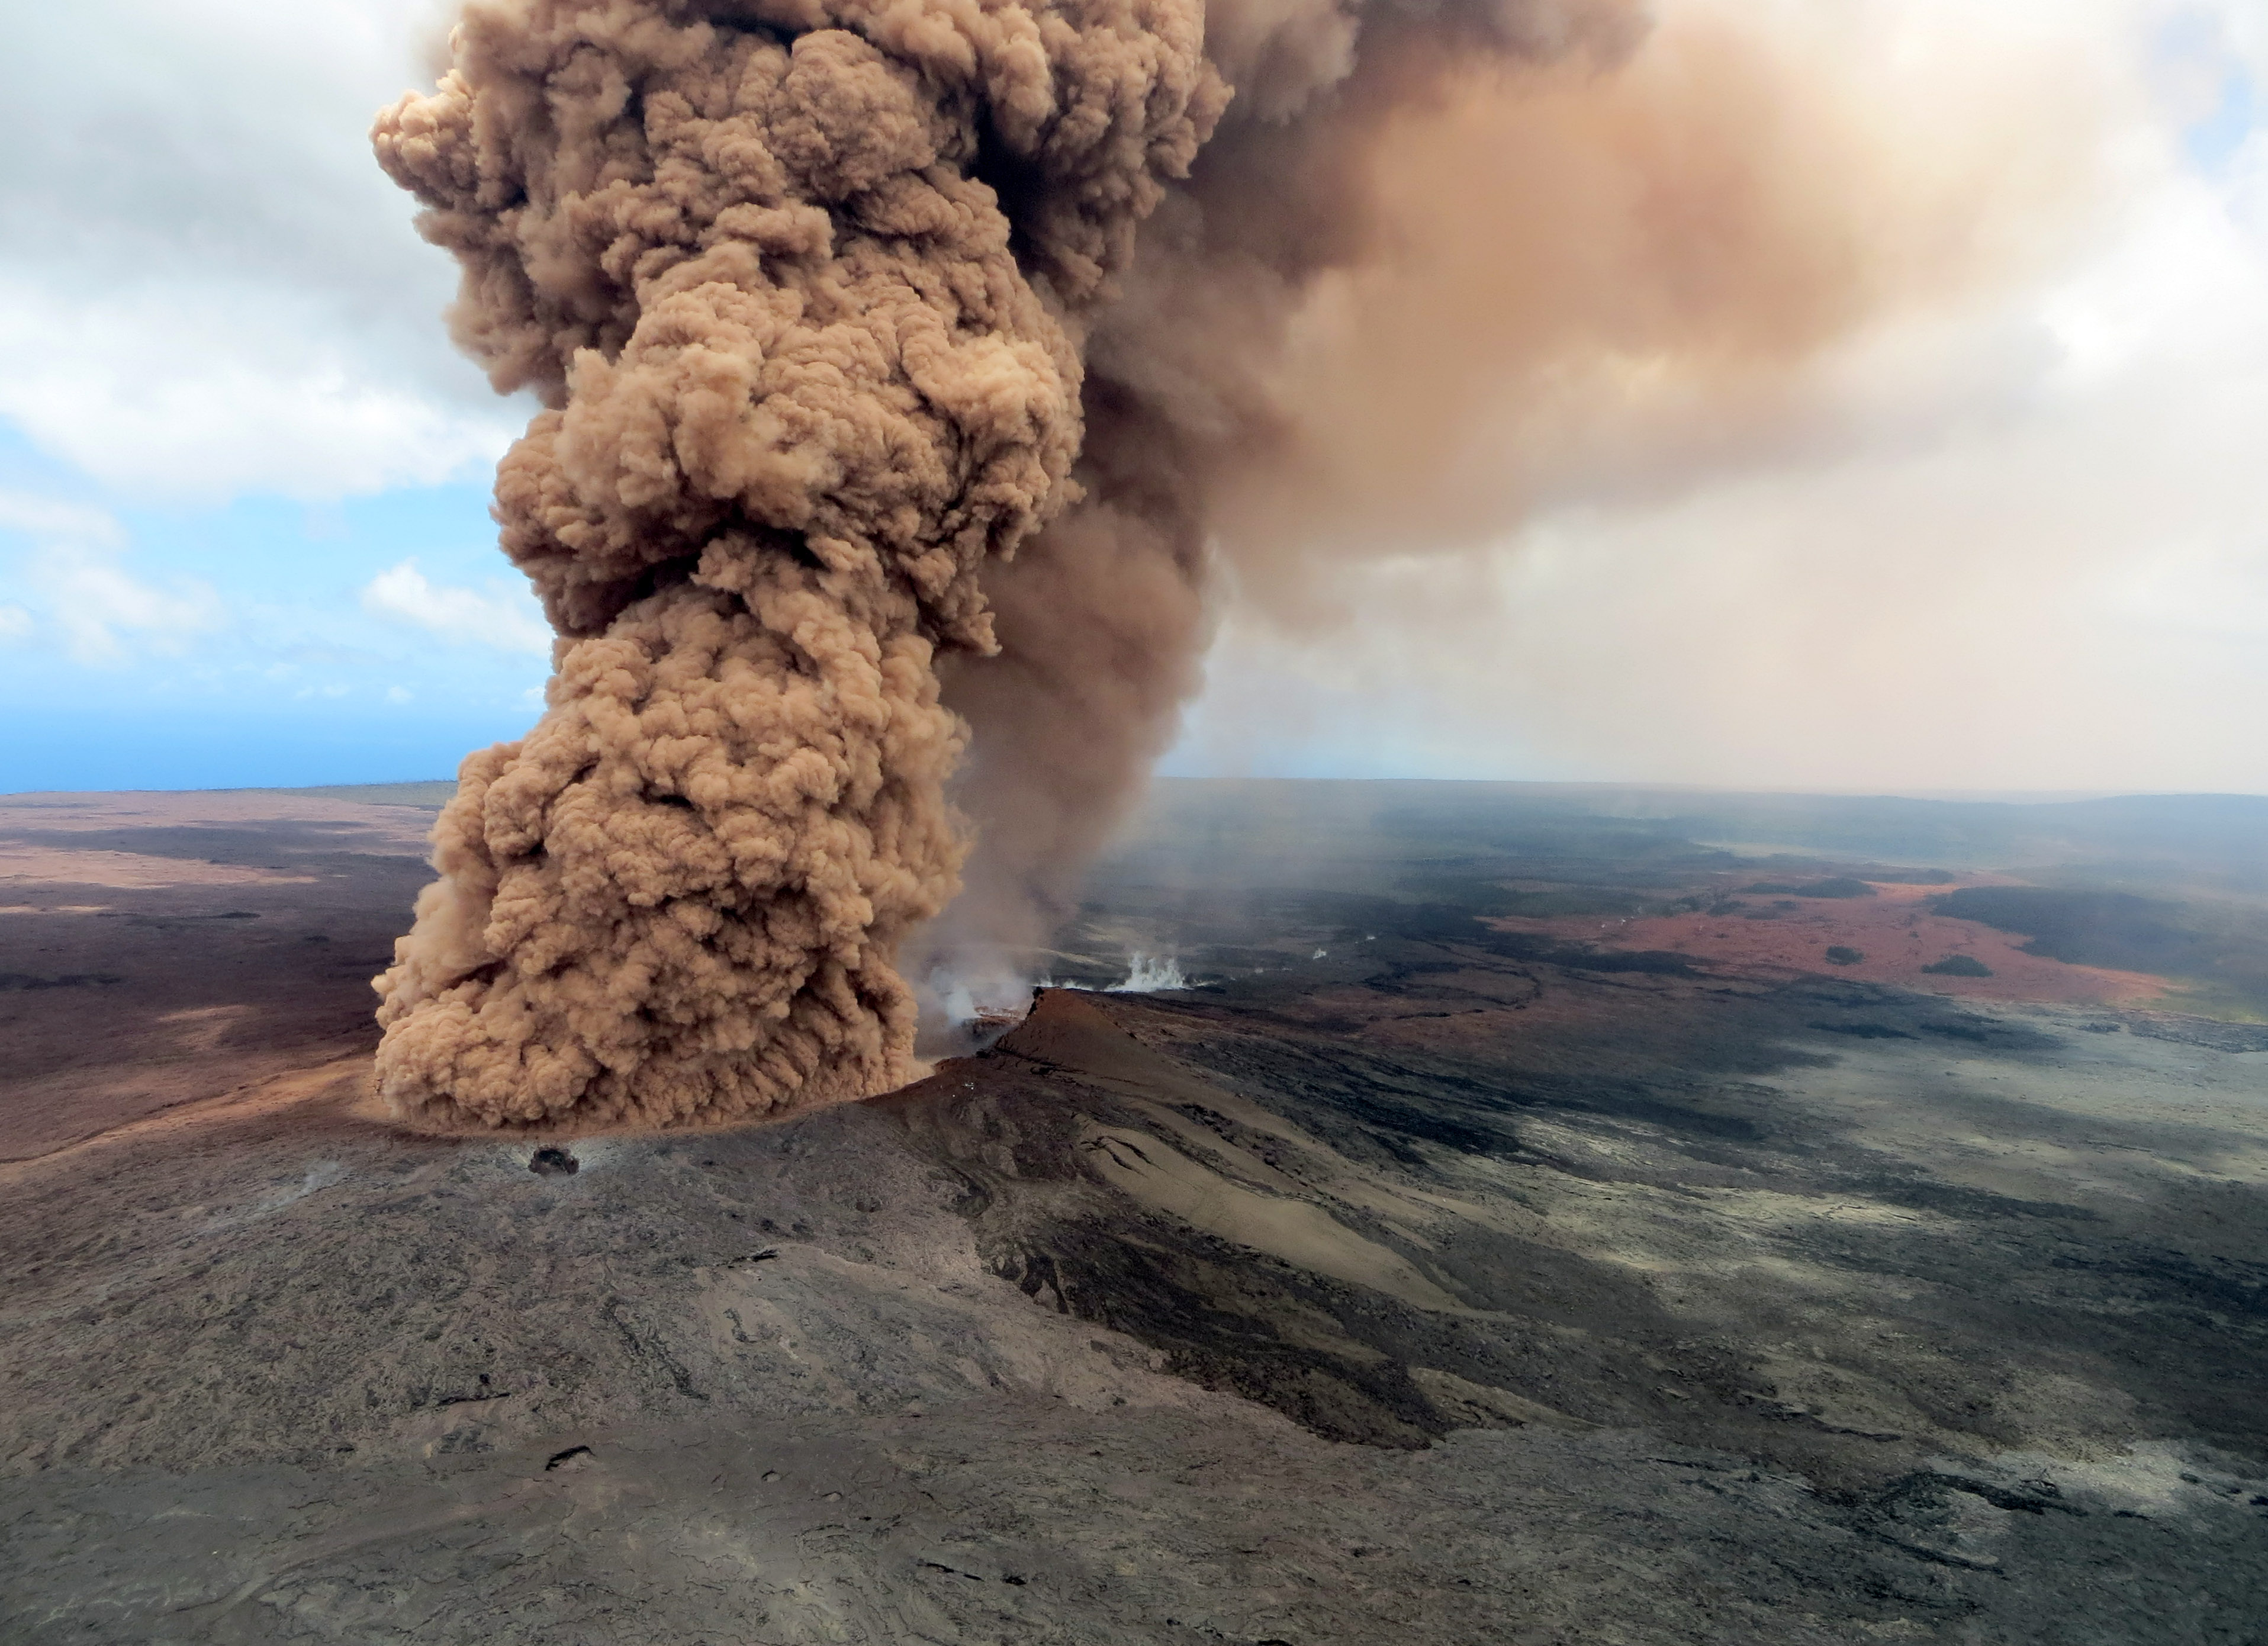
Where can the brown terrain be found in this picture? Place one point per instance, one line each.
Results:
(1894, 930)
(1425, 1272)
(167, 950)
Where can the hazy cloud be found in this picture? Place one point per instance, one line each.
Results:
(105, 615)
(2023, 541)
(501, 616)
(51, 519)
(206, 286)
(2018, 542)
(100, 612)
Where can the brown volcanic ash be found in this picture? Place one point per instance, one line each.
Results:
(808, 369)
(1102, 619)
(1436, 265)
(817, 292)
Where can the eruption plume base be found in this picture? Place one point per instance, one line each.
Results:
(809, 370)
(645, 914)
(815, 291)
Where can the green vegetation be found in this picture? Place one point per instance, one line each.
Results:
(1568, 900)
(2217, 952)
(1960, 966)
(2082, 928)
(1841, 886)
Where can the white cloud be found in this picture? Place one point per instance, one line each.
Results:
(51, 519)
(101, 613)
(174, 401)
(207, 286)
(107, 615)
(500, 616)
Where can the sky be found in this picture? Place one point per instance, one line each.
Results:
(2019, 541)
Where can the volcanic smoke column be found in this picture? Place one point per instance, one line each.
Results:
(801, 283)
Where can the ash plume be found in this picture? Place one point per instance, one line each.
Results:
(1436, 267)
(918, 378)
(1103, 619)
(802, 285)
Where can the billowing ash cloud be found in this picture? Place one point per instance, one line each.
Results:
(810, 371)
(877, 429)
(1436, 263)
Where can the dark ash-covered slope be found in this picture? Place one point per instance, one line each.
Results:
(1443, 1287)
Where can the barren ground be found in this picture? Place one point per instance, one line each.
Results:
(1422, 1277)
(1894, 931)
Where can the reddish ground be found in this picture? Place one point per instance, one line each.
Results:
(358, 827)
(165, 950)
(1894, 930)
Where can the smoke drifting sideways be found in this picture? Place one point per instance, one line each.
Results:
(1436, 269)
(875, 431)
